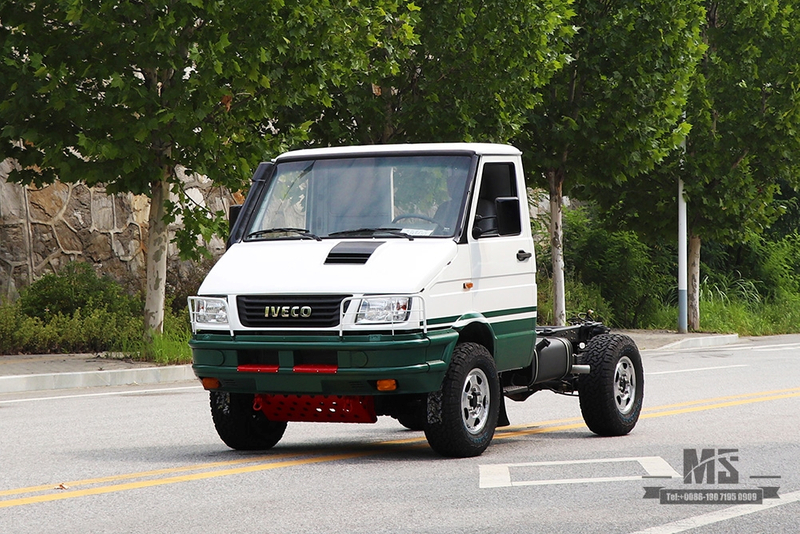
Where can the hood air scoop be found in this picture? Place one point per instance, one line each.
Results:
(352, 252)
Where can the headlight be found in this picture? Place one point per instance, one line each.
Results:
(208, 312)
(383, 310)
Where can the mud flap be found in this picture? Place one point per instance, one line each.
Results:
(502, 418)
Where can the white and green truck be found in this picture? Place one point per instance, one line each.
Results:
(393, 280)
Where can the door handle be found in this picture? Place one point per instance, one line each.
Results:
(522, 255)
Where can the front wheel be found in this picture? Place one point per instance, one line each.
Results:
(462, 415)
(611, 394)
(240, 426)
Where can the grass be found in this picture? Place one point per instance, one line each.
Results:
(735, 316)
(169, 348)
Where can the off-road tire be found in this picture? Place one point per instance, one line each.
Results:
(462, 416)
(241, 427)
(611, 394)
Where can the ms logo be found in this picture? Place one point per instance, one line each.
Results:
(704, 466)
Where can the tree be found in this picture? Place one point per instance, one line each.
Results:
(478, 66)
(122, 93)
(744, 145)
(613, 112)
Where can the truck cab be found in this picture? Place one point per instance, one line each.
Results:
(382, 280)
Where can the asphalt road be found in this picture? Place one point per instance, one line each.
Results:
(147, 459)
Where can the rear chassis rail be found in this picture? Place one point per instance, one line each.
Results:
(578, 334)
(519, 386)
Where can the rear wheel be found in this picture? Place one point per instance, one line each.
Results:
(611, 394)
(462, 416)
(240, 426)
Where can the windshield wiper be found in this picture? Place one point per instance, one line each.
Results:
(303, 232)
(371, 232)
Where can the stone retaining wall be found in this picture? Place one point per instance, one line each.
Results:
(41, 229)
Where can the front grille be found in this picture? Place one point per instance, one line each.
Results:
(301, 311)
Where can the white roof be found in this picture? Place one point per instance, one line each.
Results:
(360, 150)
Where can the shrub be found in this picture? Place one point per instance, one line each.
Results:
(771, 268)
(580, 298)
(76, 287)
(632, 277)
(77, 311)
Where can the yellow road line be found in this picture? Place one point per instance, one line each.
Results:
(719, 405)
(725, 398)
(377, 448)
(145, 474)
(657, 412)
(182, 478)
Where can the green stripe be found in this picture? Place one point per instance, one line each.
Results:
(512, 311)
(488, 314)
(442, 320)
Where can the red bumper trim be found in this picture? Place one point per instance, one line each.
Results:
(255, 368)
(315, 368)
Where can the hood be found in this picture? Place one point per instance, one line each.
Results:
(333, 266)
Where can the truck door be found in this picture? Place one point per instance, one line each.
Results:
(502, 263)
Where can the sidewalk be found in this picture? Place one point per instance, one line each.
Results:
(68, 371)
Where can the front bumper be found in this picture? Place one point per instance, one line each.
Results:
(323, 364)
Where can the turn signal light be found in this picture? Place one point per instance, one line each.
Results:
(210, 383)
(387, 384)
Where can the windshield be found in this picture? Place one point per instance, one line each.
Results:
(402, 196)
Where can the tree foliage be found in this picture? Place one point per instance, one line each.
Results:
(125, 93)
(612, 113)
(477, 67)
(744, 145)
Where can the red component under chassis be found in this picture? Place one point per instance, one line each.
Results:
(317, 408)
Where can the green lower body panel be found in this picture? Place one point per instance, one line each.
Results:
(324, 364)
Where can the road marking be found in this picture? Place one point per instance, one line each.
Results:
(103, 394)
(771, 348)
(145, 474)
(740, 346)
(718, 516)
(656, 411)
(499, 475)
(695, 369)
(374, 449)
(725, 398)
(176, 479)
(739, 402)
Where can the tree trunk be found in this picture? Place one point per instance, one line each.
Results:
(693, 291)
(157, 241)
(556, 181)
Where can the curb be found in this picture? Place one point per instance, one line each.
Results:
(121, 377)
(700, 342)
(184, 373)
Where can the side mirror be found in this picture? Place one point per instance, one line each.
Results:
(233, 215)
(508, 217)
